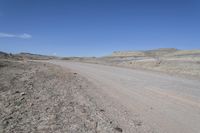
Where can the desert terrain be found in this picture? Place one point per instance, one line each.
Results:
(154, 91)
(41, 97)
(165, 60)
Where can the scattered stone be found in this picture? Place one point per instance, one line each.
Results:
(31, 104)
(23, 93)
(5, 123)
(102, 110)
(22, 98)
(137, 123)
(16, 92)
(118, 129)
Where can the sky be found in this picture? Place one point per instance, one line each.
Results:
(97, 27)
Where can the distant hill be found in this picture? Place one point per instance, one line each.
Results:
(5, 55)
(162, 52)
(181, 53)
(22, 56)
(34, 56)
(128, 53)
(2, 53)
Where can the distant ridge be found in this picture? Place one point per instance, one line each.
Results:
(23, 55)
(3, 53)
(161, 52)
(34, 56)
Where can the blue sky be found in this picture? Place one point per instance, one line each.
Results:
(97, 27)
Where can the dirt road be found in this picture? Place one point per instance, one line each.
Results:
(147, 101)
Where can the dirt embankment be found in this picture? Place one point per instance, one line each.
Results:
(39, 97)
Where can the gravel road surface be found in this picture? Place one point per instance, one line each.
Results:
(143, 101)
